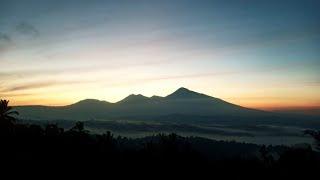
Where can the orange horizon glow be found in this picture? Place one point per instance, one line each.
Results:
(277, 107)
(255, 103)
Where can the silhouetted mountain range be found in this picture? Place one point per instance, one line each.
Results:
(182, 102)
(184, 111)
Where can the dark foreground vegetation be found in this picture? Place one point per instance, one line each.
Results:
(54, 149)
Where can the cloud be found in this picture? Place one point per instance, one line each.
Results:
(30, 86)
(172, 77)
(4, 38)
(15, 95)
(5, 42)
(71, 70)
(312, 83)
(191, 76)
(27, 29)
(39, 85)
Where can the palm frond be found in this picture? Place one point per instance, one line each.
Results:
(12, 113)
(6, 112)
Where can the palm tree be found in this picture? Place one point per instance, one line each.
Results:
(78, 129)
(6, 113)
(7, 120)
(316, 136)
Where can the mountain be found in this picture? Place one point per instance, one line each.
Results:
(184, 112)
(184, 93)
(181, 103)
(134, 99)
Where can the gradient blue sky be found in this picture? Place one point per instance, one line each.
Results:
(262, 54)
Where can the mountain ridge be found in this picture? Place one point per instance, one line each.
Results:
(181, 103)
(181, 93)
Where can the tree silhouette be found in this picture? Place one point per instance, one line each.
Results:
(316, 136)
(6, 112)
(266, 157)
(7, 120)
(79, 127)
(53, 130)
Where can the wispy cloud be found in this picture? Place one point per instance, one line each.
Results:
(4, 38)
(312, 83)
(29, 73)
(171, 77)
(27, 29)
(5, 41)
(40, 85)
(198, 75)
(31, 86)
(15, 94)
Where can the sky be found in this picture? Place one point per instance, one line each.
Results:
(259, 54)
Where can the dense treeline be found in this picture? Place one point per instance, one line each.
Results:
(28, 145)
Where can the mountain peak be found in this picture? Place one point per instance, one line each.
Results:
(134, 98)
(183, 89)
(183, 93)
(90, 102)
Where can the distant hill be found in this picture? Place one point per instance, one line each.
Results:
(181, 103)
(301, 111)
